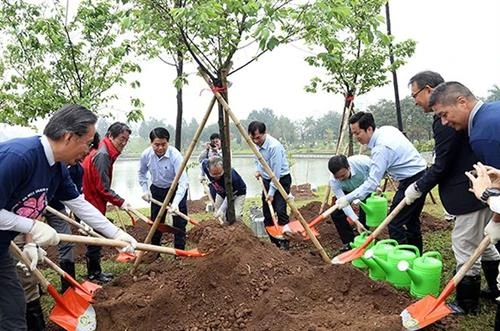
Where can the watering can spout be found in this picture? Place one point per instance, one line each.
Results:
(363, 206)
(373, 261)
(415, 277)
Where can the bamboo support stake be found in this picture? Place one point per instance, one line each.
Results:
(268, 170)
(325, 200)
(174, 183)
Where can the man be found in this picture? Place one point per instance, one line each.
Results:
(33, 171)
(163, 162)
(453, 156)
(212, 148)
(275, 156)
(66, 249)
(392, 152)
(97, 177)
(214, 170)
(460, 109)
(348, 174)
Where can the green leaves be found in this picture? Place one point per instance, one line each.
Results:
(51, 60)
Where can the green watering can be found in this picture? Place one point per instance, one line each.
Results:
(375, 209)
(358, 241)
(425, 274)
(380, 250)
(398, 278)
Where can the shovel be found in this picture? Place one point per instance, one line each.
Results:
(296, 226)
(122, 257)
(184, 216)
(161, 226)
(123, 244)
(359, 251)
(429, 309)
(85, 290)
(71, 311)
(274, 230)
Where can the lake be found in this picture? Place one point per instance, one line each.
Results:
(313, 170)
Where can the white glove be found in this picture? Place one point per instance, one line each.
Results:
(43, 234)
(146, 197)
(291, 197)
(125, 205)
(23, 268)
(219, 213)
(342, 202)
(492, 230)
(124, 236)
(86, 227)
(174, 207)
(34, 253)
(202, 179)
(412, 194)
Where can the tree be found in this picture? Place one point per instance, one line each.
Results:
(352, 49)
(49, 59)
(493, 94)
(149, 124)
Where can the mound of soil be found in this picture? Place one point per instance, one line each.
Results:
(302, 191)
(246, 283)
(197, 206)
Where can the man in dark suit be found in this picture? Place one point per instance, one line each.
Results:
(454, 156)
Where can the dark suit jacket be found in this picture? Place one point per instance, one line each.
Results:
(454, 156)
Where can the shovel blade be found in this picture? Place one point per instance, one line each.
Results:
(91, 287)
(349, 256)
(124, 257)
(73, 312)
(275, 231)
(424, 312)
(295, 227)
(190, 253)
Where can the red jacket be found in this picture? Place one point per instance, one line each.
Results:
(97, 176)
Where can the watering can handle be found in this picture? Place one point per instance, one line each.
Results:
(434, 254)
(410, 247)
(393, 242)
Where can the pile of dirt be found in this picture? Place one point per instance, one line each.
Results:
(197, 206)
(302, 191)
(246, 283)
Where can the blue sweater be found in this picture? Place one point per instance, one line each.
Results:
(239, 186)
(28, 181)
(484, 134)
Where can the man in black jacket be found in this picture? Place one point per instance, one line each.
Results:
(453, 157)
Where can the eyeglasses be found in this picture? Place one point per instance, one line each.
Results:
(414, 95)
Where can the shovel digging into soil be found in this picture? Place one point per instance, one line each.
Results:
(71, 311)
(274, 230)
(296, 226)
(429, 309)
(359, 251)
(123, 244)
(161, 226)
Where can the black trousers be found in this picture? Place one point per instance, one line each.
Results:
(279, 203)
(12, 299)
(346, 233)
(159, 194)
(405, 227)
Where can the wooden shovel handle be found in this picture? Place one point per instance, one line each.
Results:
(178, 212)
(20, 256)
(324, 215)
(271, 209)
(472, 259)
(115, 243)
(207, 192)
(325, 200)
(388, 219)
(73, 222)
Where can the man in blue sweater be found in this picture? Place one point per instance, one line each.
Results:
(214, 170)
(460, 109)
(34, 171)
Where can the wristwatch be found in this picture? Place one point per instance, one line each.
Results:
(489, 192)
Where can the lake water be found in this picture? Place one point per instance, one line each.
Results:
(304, 170)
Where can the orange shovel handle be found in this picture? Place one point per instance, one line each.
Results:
(270, 205)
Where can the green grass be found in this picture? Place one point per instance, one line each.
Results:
(436, 240)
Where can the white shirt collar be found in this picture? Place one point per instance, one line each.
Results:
(49, 154)
(473, 112)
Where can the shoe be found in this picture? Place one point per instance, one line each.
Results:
(99, 277)
(69, 268)
(467, 294)
(284, 245)
(34, 316)
(490, 271)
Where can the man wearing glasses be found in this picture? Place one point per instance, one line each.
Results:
(453, 156)
(214, 170)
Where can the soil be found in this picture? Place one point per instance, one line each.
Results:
(248, 284)
(302, 191)
(197, 206)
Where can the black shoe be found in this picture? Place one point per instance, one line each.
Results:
(108, 274)
(34, 316)
(490, 271)
(284, 245)
(467, 294)
(69, 268)
(99, 277)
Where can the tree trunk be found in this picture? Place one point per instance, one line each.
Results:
(226, 146)
(178, 124)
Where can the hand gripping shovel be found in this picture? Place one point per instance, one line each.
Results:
(161, 226)
(296, 226)
(359, 251)
(274, 230)
(429, 309)
(122, 244)
(71, 311)
(121, 257)
(184, 216)
(85, 290)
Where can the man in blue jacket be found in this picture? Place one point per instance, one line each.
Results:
(214, 170)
